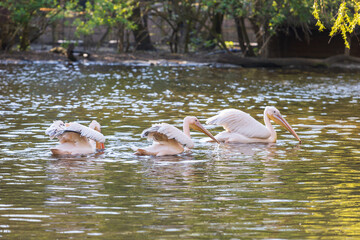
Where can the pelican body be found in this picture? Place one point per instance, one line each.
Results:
(240, 127)
(76, 139)
(169, 140)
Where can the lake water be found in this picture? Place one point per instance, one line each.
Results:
(232, 191)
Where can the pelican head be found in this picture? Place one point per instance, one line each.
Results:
(195, 124)
(274, 114)
(95, 125)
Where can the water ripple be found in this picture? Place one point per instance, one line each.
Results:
(287, 190)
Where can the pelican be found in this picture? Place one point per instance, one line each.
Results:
(76, 139)
(169, 140)
(240, 127)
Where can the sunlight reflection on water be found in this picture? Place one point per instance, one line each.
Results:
(285, 190)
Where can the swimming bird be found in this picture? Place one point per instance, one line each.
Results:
(76, 139)
(169, 140)
(240, 127)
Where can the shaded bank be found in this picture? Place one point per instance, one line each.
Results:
(338, 61)
(191, 59)
(137, 58)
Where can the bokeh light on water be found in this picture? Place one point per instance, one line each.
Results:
(280, 191)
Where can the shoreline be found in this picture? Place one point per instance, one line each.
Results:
(200, 59)
(105, 58)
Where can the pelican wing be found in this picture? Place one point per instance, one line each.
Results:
(58, 128)
(164, 132)
(86, 132)
(55, 129)
(237, 121)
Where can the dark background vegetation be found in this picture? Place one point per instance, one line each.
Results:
(247, 26)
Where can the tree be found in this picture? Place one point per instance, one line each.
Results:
(239, 11)
(347, 17)
(195, 23)
(111, 14)
(266, 17)
(140, 29)
(179, 16)
(272, 17)
(214, 15)
(25, 19)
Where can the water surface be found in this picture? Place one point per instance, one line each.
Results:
(234, 191)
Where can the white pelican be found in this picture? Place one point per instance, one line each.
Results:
(240, 127)
(169, 140)
(75, 138)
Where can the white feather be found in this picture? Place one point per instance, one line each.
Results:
(86, 132)
(55, 129)
(170, 132)
(236, 121)
(58, 128)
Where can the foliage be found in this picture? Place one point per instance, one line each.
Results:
(267, 17)
(108, 13)
(25, 15)
(290, 13)
(194, 23)
(22, 11)
(343, 21)
(180, 17)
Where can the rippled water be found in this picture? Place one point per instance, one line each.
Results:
(234, 191)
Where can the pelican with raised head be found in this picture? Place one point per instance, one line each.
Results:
(76, 139)
(240, 127)
(169, 140)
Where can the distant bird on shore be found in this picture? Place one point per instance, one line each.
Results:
(76, 139)
(169, 140)
(70, 52)
(240, 127)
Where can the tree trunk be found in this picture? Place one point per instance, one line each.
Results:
(24, 39)
(127, 41)
(258, 33)
(54, 33)
(120, 43)
(184, 36)
(141, 33)
(187, 35)
(8, 30)
(347, 50)
(240, 35)
(173, 41)
(250, 51)
(104, 36)
(215, 30)
(243, 37)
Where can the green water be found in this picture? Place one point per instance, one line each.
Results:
(234, 191)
